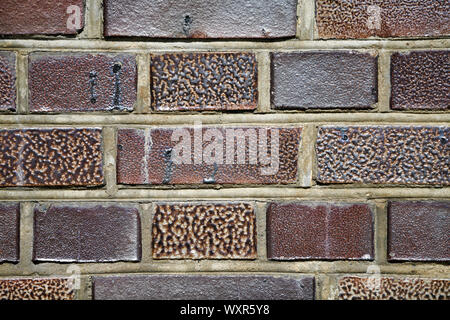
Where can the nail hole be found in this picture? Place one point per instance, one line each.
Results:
(117, 68)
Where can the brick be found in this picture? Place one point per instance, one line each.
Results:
(9, 232)
(51, 17)
(327, 231)
(182, 287)
(204, 81)
(201, 18)
(200, 156)
(346, 19)
(412, 155)
(78, 82)
(37, 289)
(378, 287)
(324, 80)
(418, 231)
(86, 232)
(204, 231)
(7, 81)
(51, 157)
(420, 80)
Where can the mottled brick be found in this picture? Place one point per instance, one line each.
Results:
(77, 82)
(204, 81)
(182, 287)
(201, 18)
(204, 231)
(37, 289)
(50, 17)
(383, 155)
(7, 81)
(330, 231)
(420, 80)
(200, 155)
(324, 80)
(344, 19)
(86, 232)
(9, 232)
(378, 287)
(419, 231)
(51, 157)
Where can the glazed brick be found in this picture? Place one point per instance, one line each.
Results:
(346, 19)
(383, 155)
(37, 289)
(50, 17)
(420, 80)
(9, 232)
(7, 81)
(204, 81)
(324, 80)
(204, 231)
(200, 156)
(77, 82)
(86, 232)
(418, 231)
(182, 287)
(51, 157)
(201, 18)
(326, 231)
(378, 287)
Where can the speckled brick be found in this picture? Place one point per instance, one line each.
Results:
(378, 287)
(86, 232)
(383, 155)
(37, 289)
(204, 231)
(326, 231)
(9, 232)
(200, 156)
(50, 17)
(345, 19)
(187, 287)
(204, 81)
(420, 80)
(419, 231)
(75, 82)
(7, 81)
(324, 80)
(201, 18)
(51, 157)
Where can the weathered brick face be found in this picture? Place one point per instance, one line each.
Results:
(9, 232)
(37, 289)
(7, 81)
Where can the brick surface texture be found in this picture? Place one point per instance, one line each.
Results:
(224, 149)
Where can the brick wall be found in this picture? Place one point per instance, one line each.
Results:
(315, 154)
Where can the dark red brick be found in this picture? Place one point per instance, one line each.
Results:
(201, 18)
(328, 231)
(419, 231)
(420, 80)
(324, 80)
(51, 157)
(7, 81)
(48, 17)
(9, 232)
(383, 155)
(378, 287)
(193, 287)
(344, 19)
(37, 289)
(86, 232)
(204, 231)
(77, 82)
(149, 156)
(204, 81)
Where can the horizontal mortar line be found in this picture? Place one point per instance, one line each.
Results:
(293, 44)
(362, 119)
(254, 194)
